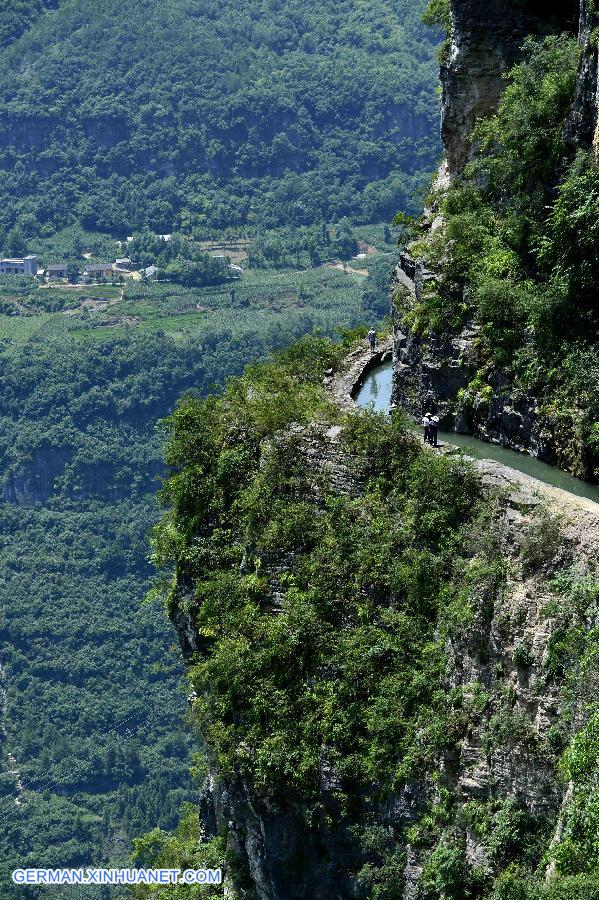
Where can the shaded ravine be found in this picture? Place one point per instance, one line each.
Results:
(372, 381)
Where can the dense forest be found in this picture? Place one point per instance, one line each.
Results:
(19, 15)
(94, 742)
(195, 116)
(281, 123)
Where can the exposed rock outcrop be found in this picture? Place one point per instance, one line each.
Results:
(583, 126)
(485, 42)
(442, 373)
(434, 372)
(499, 662)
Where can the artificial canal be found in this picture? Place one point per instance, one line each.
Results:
(375, 392)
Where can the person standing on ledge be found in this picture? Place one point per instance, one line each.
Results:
(372, 339)
(426, 424)
(433, 430)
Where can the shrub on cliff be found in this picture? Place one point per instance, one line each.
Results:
(517, 251)
(273, 691)
(496, 211)
(319, 609)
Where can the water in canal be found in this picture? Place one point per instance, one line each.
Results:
(376, 388)
(375, 393)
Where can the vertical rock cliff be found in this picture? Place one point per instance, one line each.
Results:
(485, 42)
(582, 130)
(495, 785)
(448, 367)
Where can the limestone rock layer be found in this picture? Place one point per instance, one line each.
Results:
(486, 41)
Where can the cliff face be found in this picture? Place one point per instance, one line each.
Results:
(503, 759)
(584, 123)
(485, 42)
(448, 371)
(441, 373)
(448, 375)
(492, 783)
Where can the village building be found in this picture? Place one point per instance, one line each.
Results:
(123, 264)
(99, 270)
(25, 266)
(57, 271)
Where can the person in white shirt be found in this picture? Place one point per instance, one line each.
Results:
(426, 424)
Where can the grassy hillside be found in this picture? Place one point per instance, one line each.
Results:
(200, 116)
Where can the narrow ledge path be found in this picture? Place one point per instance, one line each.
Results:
(581, 513)
(348, 380)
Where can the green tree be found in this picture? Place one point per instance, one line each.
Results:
(73, 272)
(16, 243)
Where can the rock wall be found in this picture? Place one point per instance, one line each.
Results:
(583, 128)
(431, 373)
(436, 373)
(485, 41)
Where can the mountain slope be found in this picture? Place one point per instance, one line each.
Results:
(187, 115)
(393, 659)
(193, 115)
